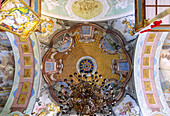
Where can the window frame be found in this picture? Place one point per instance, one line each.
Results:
(156, 10)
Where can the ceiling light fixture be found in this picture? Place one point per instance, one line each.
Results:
(87, 96)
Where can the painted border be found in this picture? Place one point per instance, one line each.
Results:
(147, 110)
(34, 45)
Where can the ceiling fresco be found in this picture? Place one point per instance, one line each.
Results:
(127, 106)
(87, 10)
(19, 20)
(7, 68)
(78, 49)
(84, 58)
(164, 69)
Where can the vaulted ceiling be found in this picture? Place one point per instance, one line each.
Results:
(126, 41)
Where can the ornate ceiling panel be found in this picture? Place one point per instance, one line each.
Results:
(86, 48)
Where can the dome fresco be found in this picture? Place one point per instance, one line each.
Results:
(84, 57)
(81, 56)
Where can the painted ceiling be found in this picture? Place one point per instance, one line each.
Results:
(84, 36)
(87, 10)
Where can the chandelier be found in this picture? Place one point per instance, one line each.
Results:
(87, 96)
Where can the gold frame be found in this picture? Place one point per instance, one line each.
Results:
(32, 29)
(139, 25)
(39, 6)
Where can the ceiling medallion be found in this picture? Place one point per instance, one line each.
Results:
(87, 93)
(86, 64)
